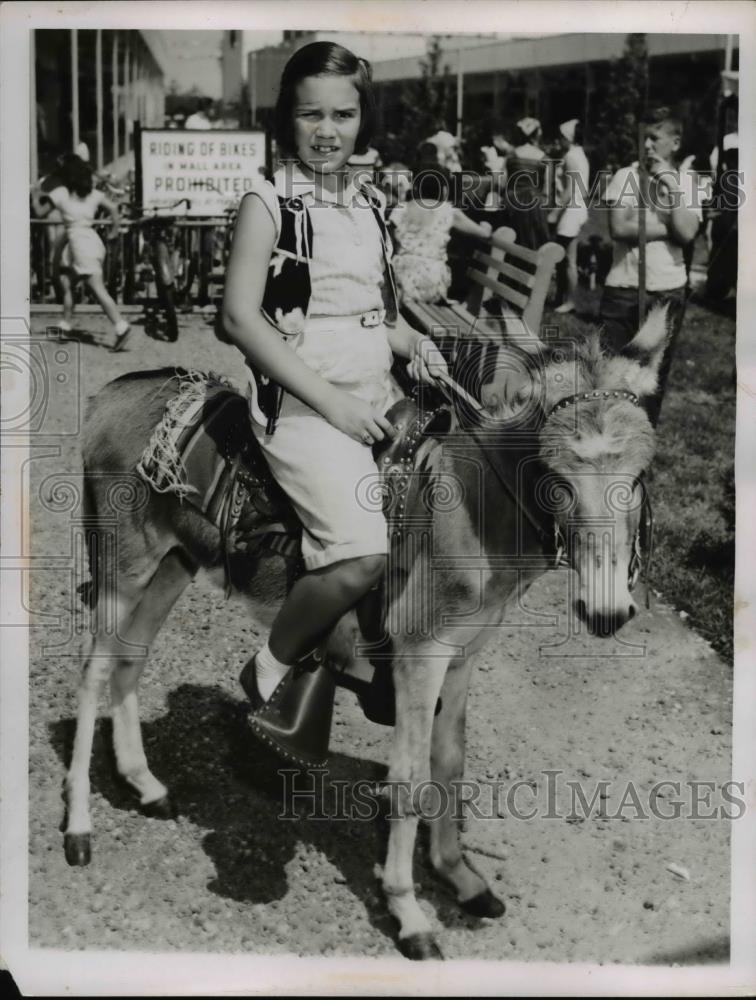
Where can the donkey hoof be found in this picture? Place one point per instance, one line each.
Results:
(485, 904)
(163, 808)
(420, 947)
(78, 849)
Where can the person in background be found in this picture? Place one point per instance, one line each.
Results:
(84, 252)
(366, 165)
(526, 168)
(201, 117)
(447, 151)
(421, 229)
(721, 220)
(396, 184)
(574, 212)
(673, 216)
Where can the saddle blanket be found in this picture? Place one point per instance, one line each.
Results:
(194, 448)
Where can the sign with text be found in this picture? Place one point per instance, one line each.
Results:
(213, 168)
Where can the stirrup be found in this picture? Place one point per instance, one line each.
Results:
(295, 722)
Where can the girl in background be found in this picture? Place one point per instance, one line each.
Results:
(83, 254)
(422, 228)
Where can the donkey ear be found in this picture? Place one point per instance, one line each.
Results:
(647, 346)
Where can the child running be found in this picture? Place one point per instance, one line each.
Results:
(84, 252)
(310, 301)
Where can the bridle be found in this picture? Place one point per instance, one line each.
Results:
(645, 530)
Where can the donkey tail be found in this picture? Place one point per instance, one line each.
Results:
(88, 591)
(87, 594)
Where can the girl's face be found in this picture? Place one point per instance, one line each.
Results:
(326, 121)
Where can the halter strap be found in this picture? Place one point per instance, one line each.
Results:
(595, 394)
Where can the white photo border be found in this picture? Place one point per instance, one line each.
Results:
(40, 971)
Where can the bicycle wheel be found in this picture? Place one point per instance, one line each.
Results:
(207, 241)
(166, 291)
(167, 304)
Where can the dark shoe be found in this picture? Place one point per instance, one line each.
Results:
(120, 340)
(378, 700)
(377, 697)
(295, 722)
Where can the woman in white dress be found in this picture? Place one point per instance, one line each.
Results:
(83, 254)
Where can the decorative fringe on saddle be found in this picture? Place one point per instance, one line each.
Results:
(203, 451)
(162, 465)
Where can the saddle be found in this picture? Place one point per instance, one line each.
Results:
(203, 451)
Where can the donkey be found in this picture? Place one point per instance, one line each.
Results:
(559, 454)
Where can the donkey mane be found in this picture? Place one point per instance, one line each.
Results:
(605, 435)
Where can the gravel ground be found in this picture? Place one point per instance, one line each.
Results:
(229, 876)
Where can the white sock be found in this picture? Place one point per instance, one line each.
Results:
(121, 327)
(64, 325)
(269, 671)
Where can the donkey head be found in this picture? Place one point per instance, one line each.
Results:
(595, 441)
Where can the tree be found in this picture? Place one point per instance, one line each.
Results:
(427, 104)
(623, 105)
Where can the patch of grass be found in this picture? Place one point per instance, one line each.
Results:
(691, 481)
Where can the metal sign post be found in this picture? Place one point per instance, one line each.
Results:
(642, 204)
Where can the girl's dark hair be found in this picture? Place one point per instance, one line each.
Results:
(77, 176)
(579, 134)
(323, 59)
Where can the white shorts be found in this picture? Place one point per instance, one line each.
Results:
(84, 253)
(331, 479)
(572, 220)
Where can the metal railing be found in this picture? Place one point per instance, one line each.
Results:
(198, 247)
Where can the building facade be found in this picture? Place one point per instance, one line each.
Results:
(265, 65)
(232, 81)
(92, 86)
(552, 77)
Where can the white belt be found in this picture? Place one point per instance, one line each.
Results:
(374, 317)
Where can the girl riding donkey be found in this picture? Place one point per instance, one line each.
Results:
(310, 301)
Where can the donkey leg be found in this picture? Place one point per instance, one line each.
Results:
(447, 769)
(418, 680)
(164, 589)
(112, 609)
(97, 666)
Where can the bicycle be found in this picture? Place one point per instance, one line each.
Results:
(209, 242)
(160, 320)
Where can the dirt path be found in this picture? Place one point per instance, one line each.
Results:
(651, 706)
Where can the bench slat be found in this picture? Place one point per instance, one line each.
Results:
(420, 312)
(521, 277)
(516, 298)
(515, 250)
(441, 316)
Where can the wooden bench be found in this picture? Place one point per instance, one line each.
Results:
(518, 277)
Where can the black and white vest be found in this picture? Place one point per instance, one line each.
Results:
(288, 289)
